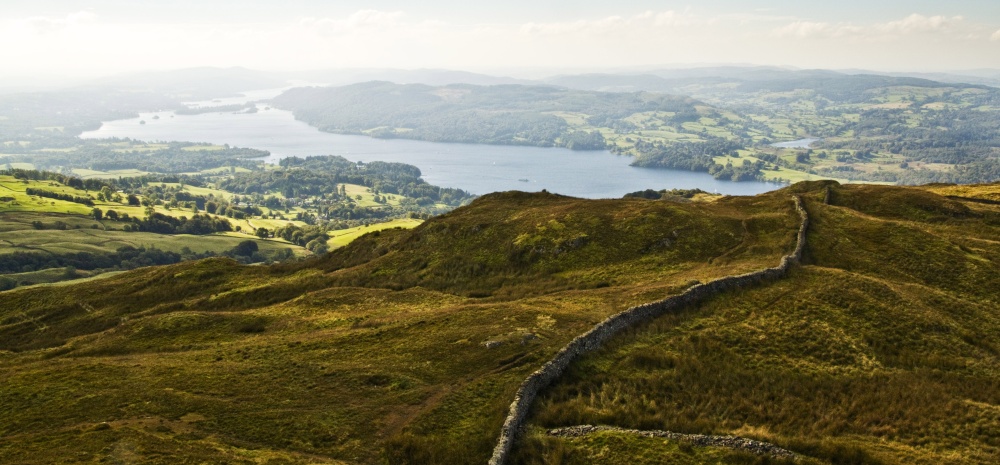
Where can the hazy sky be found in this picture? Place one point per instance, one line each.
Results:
(100, 37)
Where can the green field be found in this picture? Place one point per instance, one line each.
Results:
(342, 237)
(14, 189)
(94, 174)
(368, 197)
(17, 234)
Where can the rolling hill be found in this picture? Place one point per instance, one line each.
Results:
(407, 346)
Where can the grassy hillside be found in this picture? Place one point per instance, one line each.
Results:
(882, 349)
(404, 346)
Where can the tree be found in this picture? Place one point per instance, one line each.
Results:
(111, 215)
(245, 248)
(317, 246)
(262, 233)
(98, 214)
(69, 273)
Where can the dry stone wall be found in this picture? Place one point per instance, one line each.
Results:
(593, 339)
(729, 442)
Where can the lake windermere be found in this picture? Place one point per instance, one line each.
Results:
(478, 169)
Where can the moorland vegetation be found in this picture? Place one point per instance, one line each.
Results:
(876, 350)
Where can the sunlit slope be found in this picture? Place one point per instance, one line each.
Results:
(882, 349)
(405, 346)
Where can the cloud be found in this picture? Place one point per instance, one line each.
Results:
(910, 25)
(613, 25)
(759, 17)
(805, 29)
(85, 43)
(920, 24)
(358, 21)
(45, 24)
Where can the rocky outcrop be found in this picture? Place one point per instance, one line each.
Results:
(593, 339)
(729, 442)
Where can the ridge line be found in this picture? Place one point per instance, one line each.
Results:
(614, 324)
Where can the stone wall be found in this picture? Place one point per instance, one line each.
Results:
(593, 339)
(729, 442)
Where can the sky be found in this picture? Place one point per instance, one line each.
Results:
(46, 38)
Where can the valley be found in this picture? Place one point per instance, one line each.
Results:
(353, 275)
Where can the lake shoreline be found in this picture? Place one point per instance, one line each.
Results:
(475, 168)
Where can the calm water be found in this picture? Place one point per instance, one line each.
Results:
(479, 169)
(795, 144)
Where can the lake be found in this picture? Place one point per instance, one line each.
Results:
(475, 168)
(795, 144)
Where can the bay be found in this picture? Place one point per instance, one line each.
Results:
(475, 168)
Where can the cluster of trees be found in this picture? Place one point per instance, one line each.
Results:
(318, 183)
(699, 156)
(585, 140)
(655, 195)
(163, 224)
(745, 171)
(311, 237)
(152, 190)
(60, 196)
(64, 179)
(125, 258)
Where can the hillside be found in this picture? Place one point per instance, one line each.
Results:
(880, 350)
(851, 127)
(407, 345)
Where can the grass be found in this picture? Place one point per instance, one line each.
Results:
(342, 237)
(18, 235)
(95, 174)
(377, 352)
(781, 174)
(881, 350)
(214, 362)
(368, 197)
(616, 448)
(48, 276)
(222, 170)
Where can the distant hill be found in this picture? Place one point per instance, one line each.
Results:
(500, 114)
(430, 77)
(715, 81)
(866, 127)
(988, 77)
